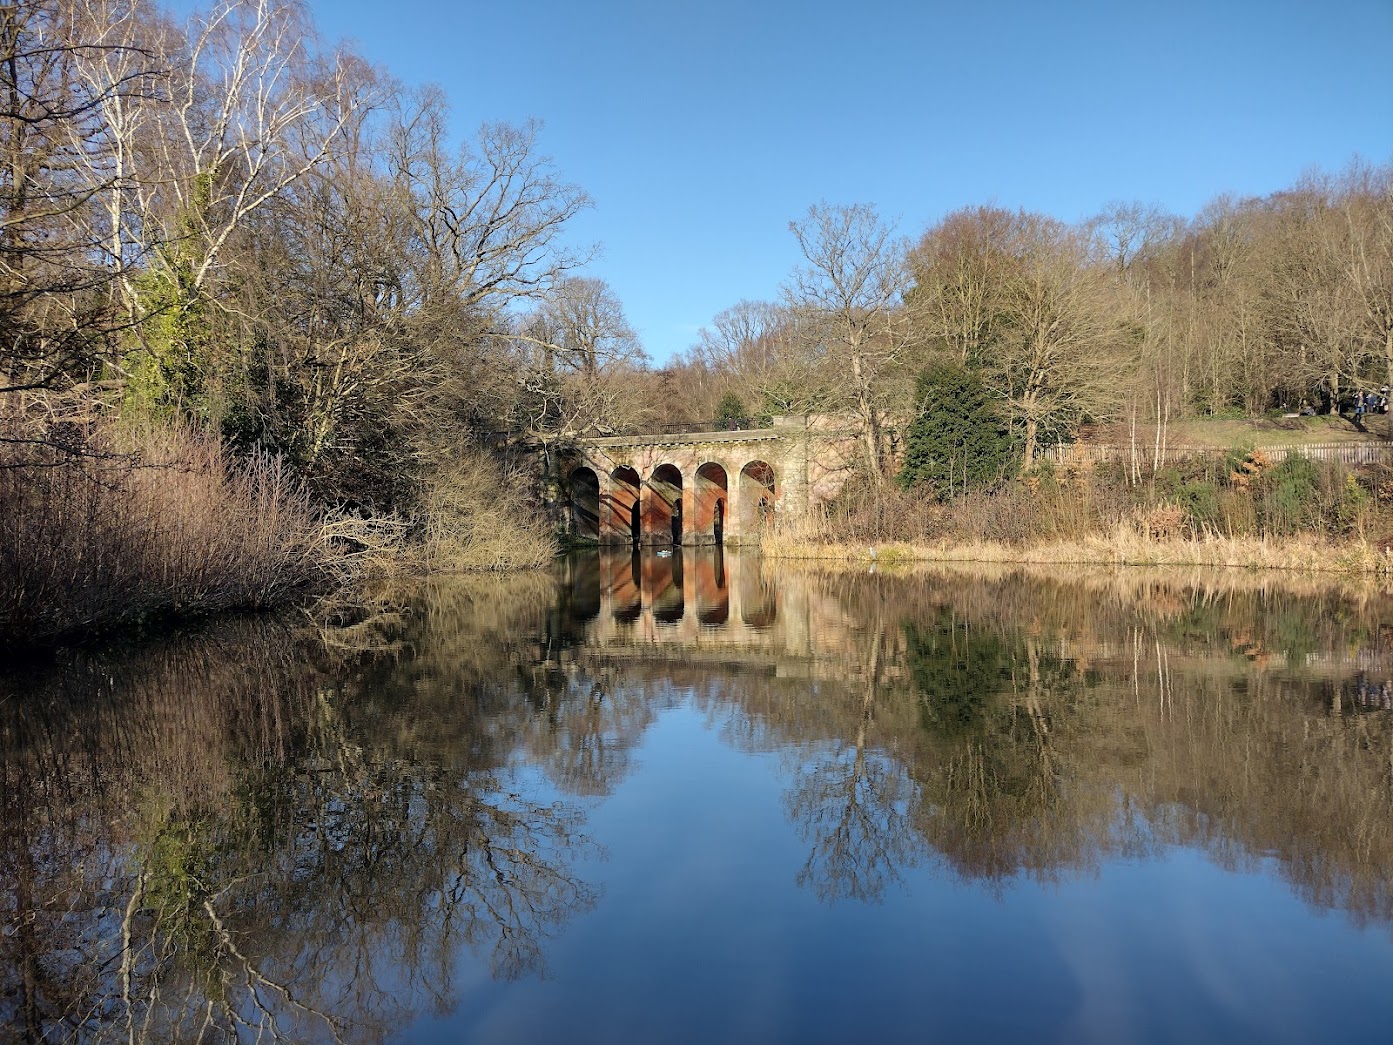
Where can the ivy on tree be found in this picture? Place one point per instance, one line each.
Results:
(957, 441)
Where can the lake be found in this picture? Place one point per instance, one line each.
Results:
(702, 797)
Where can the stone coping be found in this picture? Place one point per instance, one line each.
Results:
(759, 435)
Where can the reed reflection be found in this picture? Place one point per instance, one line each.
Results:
(259, 832)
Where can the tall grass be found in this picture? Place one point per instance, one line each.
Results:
(476, 516)
(148, 524)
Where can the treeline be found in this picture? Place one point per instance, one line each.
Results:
(223, 231)
(1133, 315)
(230, 250)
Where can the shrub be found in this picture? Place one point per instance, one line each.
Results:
(731, 413)
(1287, 497)
(957, 442)
(475, 516)
(147, 524)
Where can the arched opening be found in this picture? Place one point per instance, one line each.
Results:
(584, 490)
(662, 506)
(758, 496)
(621, 523)
(707, 525)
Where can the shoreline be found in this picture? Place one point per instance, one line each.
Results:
(1294, 555)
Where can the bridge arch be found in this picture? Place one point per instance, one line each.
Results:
(621, 524)
(583, 488)
(758, 494)
(710, 504)
(662, 506)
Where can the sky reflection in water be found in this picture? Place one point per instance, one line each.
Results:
(695, 797)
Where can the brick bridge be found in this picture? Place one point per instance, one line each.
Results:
(704, 487)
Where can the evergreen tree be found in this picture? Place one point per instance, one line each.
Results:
(731, 414)
(958, 441)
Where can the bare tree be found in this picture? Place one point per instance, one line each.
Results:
(957, 272)
(1130, 234)
(854, 281)
(580, 326)
(574, 355)
(56, 323)
(1059, 359)
(768, 357)
(487, 218)
(1366, 203)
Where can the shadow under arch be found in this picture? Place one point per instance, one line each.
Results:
(710, 498)
(623, 522)
(583, 489)
(662, 508)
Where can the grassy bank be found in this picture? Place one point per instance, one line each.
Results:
(1122, 548)
(1243, 510)
(147, 525)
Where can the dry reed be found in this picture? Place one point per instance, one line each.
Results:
(163, 523)
(477, 517)
(1123, 547)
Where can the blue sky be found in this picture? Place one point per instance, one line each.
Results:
(701, 130)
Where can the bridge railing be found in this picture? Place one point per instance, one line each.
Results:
(506, 436)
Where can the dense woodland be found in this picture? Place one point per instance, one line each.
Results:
(267, 270)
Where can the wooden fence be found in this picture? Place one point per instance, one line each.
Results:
(1094, 453)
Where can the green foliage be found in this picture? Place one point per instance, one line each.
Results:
(731, 414)
(168, 367)
(1352, 506)
(958, 441)
(958, 675)
(1287, 498)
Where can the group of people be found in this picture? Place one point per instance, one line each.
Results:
(1357, 403)
(1369, 402)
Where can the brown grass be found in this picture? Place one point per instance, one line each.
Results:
(158, 522)
(1123, 547)
(477, 517)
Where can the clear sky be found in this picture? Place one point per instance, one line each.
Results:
(702, 129)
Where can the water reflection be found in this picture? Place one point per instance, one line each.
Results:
(1008, 728)
(236, 834)
(314, 833)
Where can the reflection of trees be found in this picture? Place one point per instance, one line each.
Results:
(212, 839)
(995, 796)
(1034, 727)
(585, 726)
(851, 806)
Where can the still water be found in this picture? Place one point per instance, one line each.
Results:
(702, 798)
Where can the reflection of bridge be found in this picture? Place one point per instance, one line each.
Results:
(698, 599)
(704, 487)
